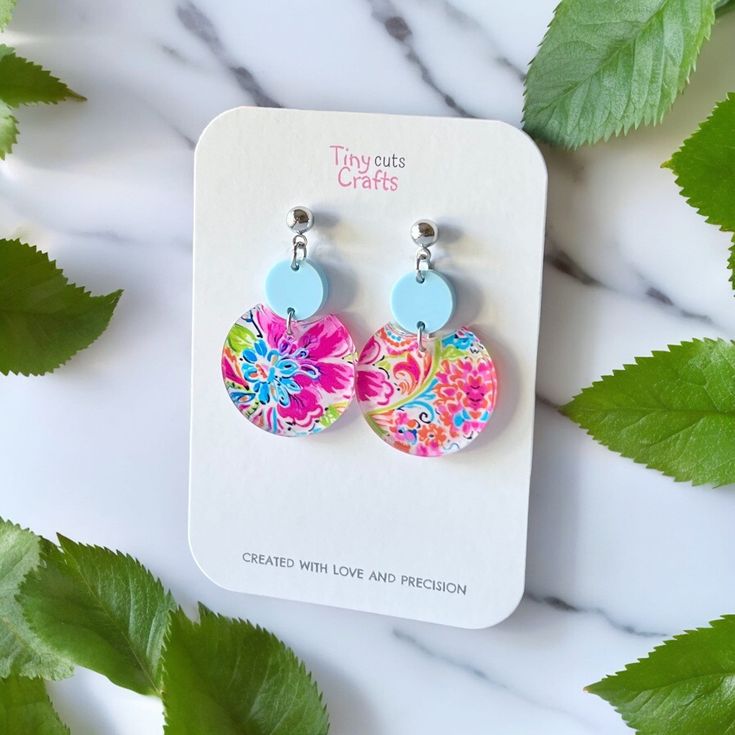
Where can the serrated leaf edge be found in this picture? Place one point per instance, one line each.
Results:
(52, 706)
(18, 527)
(203, 611)
(591, 688)
(16, 131)
(49, 701)
(637, 361)
(70, 95)
(622, 129)
(66, 541)
(114, 296)
(670, 164)
(692, 200)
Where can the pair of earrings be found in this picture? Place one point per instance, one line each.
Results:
(293, 375)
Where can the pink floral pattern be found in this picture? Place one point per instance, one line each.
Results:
(291, 385)
(426, 403)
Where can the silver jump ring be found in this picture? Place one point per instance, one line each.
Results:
(420, 333)
(299, 251)
(289, 320)
(422, 256)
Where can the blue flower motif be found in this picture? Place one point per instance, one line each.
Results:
(270, 374)
(462, 339)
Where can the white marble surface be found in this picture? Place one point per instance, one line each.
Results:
(618, 556)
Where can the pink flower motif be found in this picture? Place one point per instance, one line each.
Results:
(426, 402)
(394, 339)
(432, 438)
(372, 351)
(325, 343)
(304, 406)
(465, 393)
(284, 383)
(401, 428)
(408, 374)
(373, 385)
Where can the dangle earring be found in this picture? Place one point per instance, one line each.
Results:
(285, 372)
(422, 394)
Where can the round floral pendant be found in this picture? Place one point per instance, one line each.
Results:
(430, 402)
(289, 384)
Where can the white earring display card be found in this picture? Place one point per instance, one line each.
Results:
(340, 517)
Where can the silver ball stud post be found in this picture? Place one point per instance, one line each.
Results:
(424, 233)
(299, 220)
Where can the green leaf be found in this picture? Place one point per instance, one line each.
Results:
(673, 411)
(240, 338)
(25, 709)
(101, 609)
(21, 652)
(229, 677)
(44, 319)
(6, 12)
(724, 6)
(705, 166)
(8, 130)
(23, 82)
(731, 264)
(683, 687)
(606, 66)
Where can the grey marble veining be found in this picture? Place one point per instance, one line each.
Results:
(618, 556)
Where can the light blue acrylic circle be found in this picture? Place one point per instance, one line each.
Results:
(430, 302)
(303, 290)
